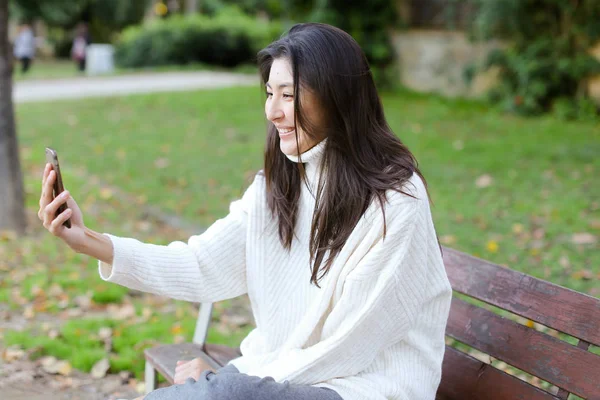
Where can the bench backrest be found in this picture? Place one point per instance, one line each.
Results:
(571, 368)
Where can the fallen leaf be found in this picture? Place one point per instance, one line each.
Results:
(146, 313)
(37, 291)
(492, 246)
(539, 233)
(83, 301)
(176, 329)
(7, 235)
(12, 354)
(517, 228)
(121, 154)
(583, 238)
(161, 163)
(484, 181)
(105, 333)
(583, 274)
(74, 276)
(28, 313)
(100, 369)
(121, 313)
(106, 193)
(458, 145)
(53, 366)
(178, 339)
(448, 239)
(530, 324)
(55, 290)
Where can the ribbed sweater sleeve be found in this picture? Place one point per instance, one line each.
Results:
(208, 268)
(379, 304)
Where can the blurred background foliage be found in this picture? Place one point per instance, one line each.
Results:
(547, 63)
(544, 64)
(228, 39)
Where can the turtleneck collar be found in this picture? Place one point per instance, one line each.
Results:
(311, 156)
(312, 161)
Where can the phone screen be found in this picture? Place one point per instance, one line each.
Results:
(52, 158)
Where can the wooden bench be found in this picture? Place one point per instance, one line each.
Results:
(571, 368)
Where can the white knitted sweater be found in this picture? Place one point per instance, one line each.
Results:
(375, 328)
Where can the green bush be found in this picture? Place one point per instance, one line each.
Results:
(228, 39)
(547, 63)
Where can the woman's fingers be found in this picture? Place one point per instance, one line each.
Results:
(48, 188)
(182, 366)
(184, 370)
(57, 225)
(181, 375)
(46, 196)
(45, 173)
(50, 209)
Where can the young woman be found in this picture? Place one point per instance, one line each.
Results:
(333, 242)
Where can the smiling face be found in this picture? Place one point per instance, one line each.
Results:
(279, 109)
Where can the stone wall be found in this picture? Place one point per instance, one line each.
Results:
(435, 60)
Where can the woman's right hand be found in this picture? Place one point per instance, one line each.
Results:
(73, 237)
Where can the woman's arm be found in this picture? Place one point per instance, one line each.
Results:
(208, 268)
(97, 245)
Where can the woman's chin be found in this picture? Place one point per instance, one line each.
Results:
(289, 149)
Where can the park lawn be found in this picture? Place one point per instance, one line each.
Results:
(192, 153)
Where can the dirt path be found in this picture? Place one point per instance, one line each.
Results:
(75, 88)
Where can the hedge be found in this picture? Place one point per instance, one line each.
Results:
(228, 39)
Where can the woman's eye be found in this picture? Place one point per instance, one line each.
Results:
(288, 96)
(269, 94)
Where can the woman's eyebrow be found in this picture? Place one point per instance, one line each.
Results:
(280, 86)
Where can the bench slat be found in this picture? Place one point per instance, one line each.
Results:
(544, 356)
(568, 311)
(164, 357)
(464, 377)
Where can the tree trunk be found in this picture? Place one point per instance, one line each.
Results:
(12, 204)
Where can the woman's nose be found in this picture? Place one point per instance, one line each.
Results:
(274, 111)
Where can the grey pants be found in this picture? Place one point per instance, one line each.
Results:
(229, 384)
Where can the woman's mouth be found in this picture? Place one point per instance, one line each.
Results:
(286, 132)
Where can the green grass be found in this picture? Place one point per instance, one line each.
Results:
(62, 69)
(79, 341)
(192, 153)
(542, 169)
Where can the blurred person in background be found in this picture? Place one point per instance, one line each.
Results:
(24, 47)
(80, 43)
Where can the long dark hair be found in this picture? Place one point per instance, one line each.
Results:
(362, 157)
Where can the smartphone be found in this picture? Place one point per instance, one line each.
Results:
(52, 158)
